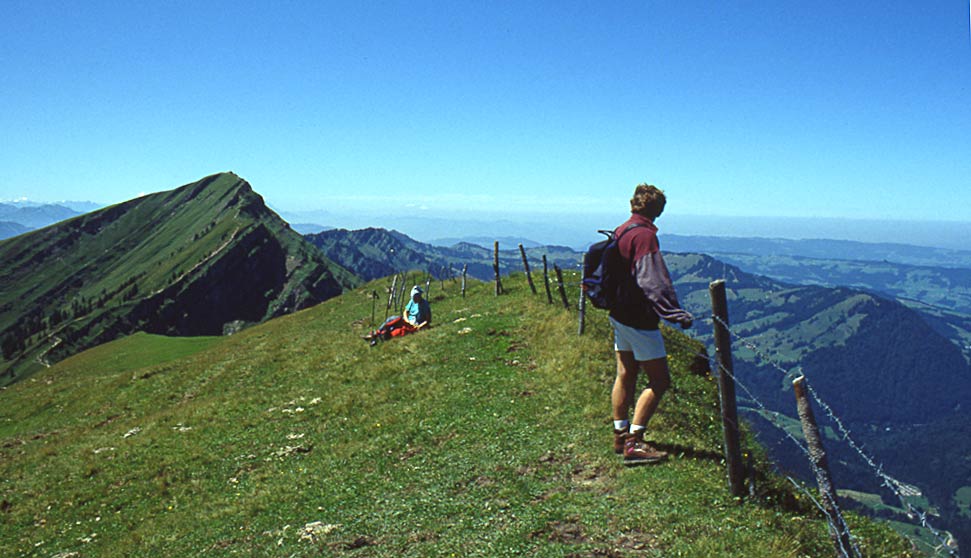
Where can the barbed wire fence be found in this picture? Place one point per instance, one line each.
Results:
(837, 525)
(894, 485)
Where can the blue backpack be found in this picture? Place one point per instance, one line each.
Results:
(605, 270)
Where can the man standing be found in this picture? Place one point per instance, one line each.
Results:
(646, 297)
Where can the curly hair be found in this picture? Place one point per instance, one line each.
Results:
(648, 201)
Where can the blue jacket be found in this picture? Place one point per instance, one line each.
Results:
(419, 312)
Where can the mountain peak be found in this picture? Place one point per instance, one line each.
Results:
(188, 261)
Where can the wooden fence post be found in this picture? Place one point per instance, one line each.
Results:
(495, 267)
(546, 281)
(401, 295)
(529, 276)
(559, 284)
(726, 388)
(391, 292)
(465, 272)
(374, 302)
(583, 301)
(839, 531)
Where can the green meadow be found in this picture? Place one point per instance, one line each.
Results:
(486, 435)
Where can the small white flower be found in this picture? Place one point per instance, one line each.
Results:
(312, 532)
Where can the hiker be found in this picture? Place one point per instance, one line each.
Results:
(647, 295)
(418, 312)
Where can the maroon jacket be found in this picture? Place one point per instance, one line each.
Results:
(652, 295)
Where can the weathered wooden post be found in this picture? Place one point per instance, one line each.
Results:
(546, 281)
(465, 272)
(374, 302)
(402, 300)
(839, 531)
(529, 276)
(428, 283)
(726, 388)
(583, 300)
(559, 285)
(391, 292)
(495, 267)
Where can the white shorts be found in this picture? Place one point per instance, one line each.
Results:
(646, 344)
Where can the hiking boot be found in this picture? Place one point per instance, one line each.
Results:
(619, 437)
(639, 452)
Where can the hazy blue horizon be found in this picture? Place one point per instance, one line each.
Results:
(577, 227)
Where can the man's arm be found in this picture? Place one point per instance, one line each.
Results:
(655, 280)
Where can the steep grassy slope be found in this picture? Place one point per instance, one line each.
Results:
(486, 435)
(190, 261)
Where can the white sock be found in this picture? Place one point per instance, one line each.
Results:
(621, 425)
(635, 428)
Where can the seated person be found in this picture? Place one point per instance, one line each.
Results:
(418, 312)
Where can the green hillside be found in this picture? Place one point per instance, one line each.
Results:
(486, 435)
(198, 260)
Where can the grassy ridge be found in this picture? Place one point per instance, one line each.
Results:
(487, 435)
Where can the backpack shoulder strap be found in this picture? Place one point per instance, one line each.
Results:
(629, 227)
(621, 235)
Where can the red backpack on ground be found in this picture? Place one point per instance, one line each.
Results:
(395, 326)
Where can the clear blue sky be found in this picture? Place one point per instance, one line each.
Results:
(855, 109)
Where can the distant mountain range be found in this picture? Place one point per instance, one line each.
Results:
(487, 242)
(22, 216)
(202, 259)
(819, 249)
(9, 229)
(34, 217)
(76, 206)
(374, 253)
